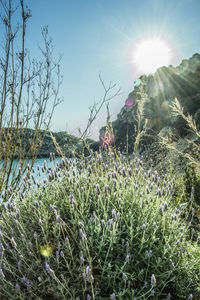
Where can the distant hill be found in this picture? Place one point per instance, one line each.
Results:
(68, 143)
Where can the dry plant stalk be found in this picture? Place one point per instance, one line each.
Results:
(96, 107)
(140, 132)
(177, 109)
(27, 88)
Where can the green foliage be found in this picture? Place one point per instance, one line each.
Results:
(112, 232)
(192, 184)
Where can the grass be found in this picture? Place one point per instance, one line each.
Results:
(107, 229)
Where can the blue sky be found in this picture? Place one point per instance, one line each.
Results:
(99, 36)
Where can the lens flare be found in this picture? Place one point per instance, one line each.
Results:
(137, 82)
(107, 139)
(129, 102)
(46, 250)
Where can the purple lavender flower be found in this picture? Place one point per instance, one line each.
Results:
(23, 279)
(127, 257)
(1, 274)
(17, 287)
(113, 213)
(84, 237)
(165, 206)
(103, 223)
(84, 276)
(110, 223)
(123, 172)
(147, 190)
(124, 276)
(149, 253)
(143, 226)
(176, 210)
(112, 296)
(130, 171)
(190, 296)
(89, 276)
(13, 242)
(58, 219)
(168, 296)
(174, 217)
(94, 215)
(19, 264)
(153, 279)
(89, 297)
(72, 199)
(98, 189)
(158, 192)
(47, 267)
(106, 188)
(81, 257)
(28, 285)
(180, 252)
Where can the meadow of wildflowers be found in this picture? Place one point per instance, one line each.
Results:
(104, 228)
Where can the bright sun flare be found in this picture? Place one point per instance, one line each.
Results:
(151, 54)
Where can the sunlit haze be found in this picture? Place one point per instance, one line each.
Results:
(101, 37)
(151, 54)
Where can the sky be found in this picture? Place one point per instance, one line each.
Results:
(99, 37)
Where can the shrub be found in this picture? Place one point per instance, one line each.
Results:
(101, 229)
(192, 180)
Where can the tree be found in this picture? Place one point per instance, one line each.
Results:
(29, 93)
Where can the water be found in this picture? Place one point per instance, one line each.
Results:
(38, 163)
(36, 171)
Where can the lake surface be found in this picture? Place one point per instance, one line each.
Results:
(39, 163)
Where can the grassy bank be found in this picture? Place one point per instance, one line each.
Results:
(111, 232)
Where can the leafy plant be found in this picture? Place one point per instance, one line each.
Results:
(97, 228)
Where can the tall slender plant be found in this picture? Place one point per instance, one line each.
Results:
(29, 93)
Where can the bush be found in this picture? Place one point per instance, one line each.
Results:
(104, 229)
(192, 181)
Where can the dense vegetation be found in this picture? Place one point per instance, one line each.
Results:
(102, 226)
(99, 228)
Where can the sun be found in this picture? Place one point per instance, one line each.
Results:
(150, 54)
